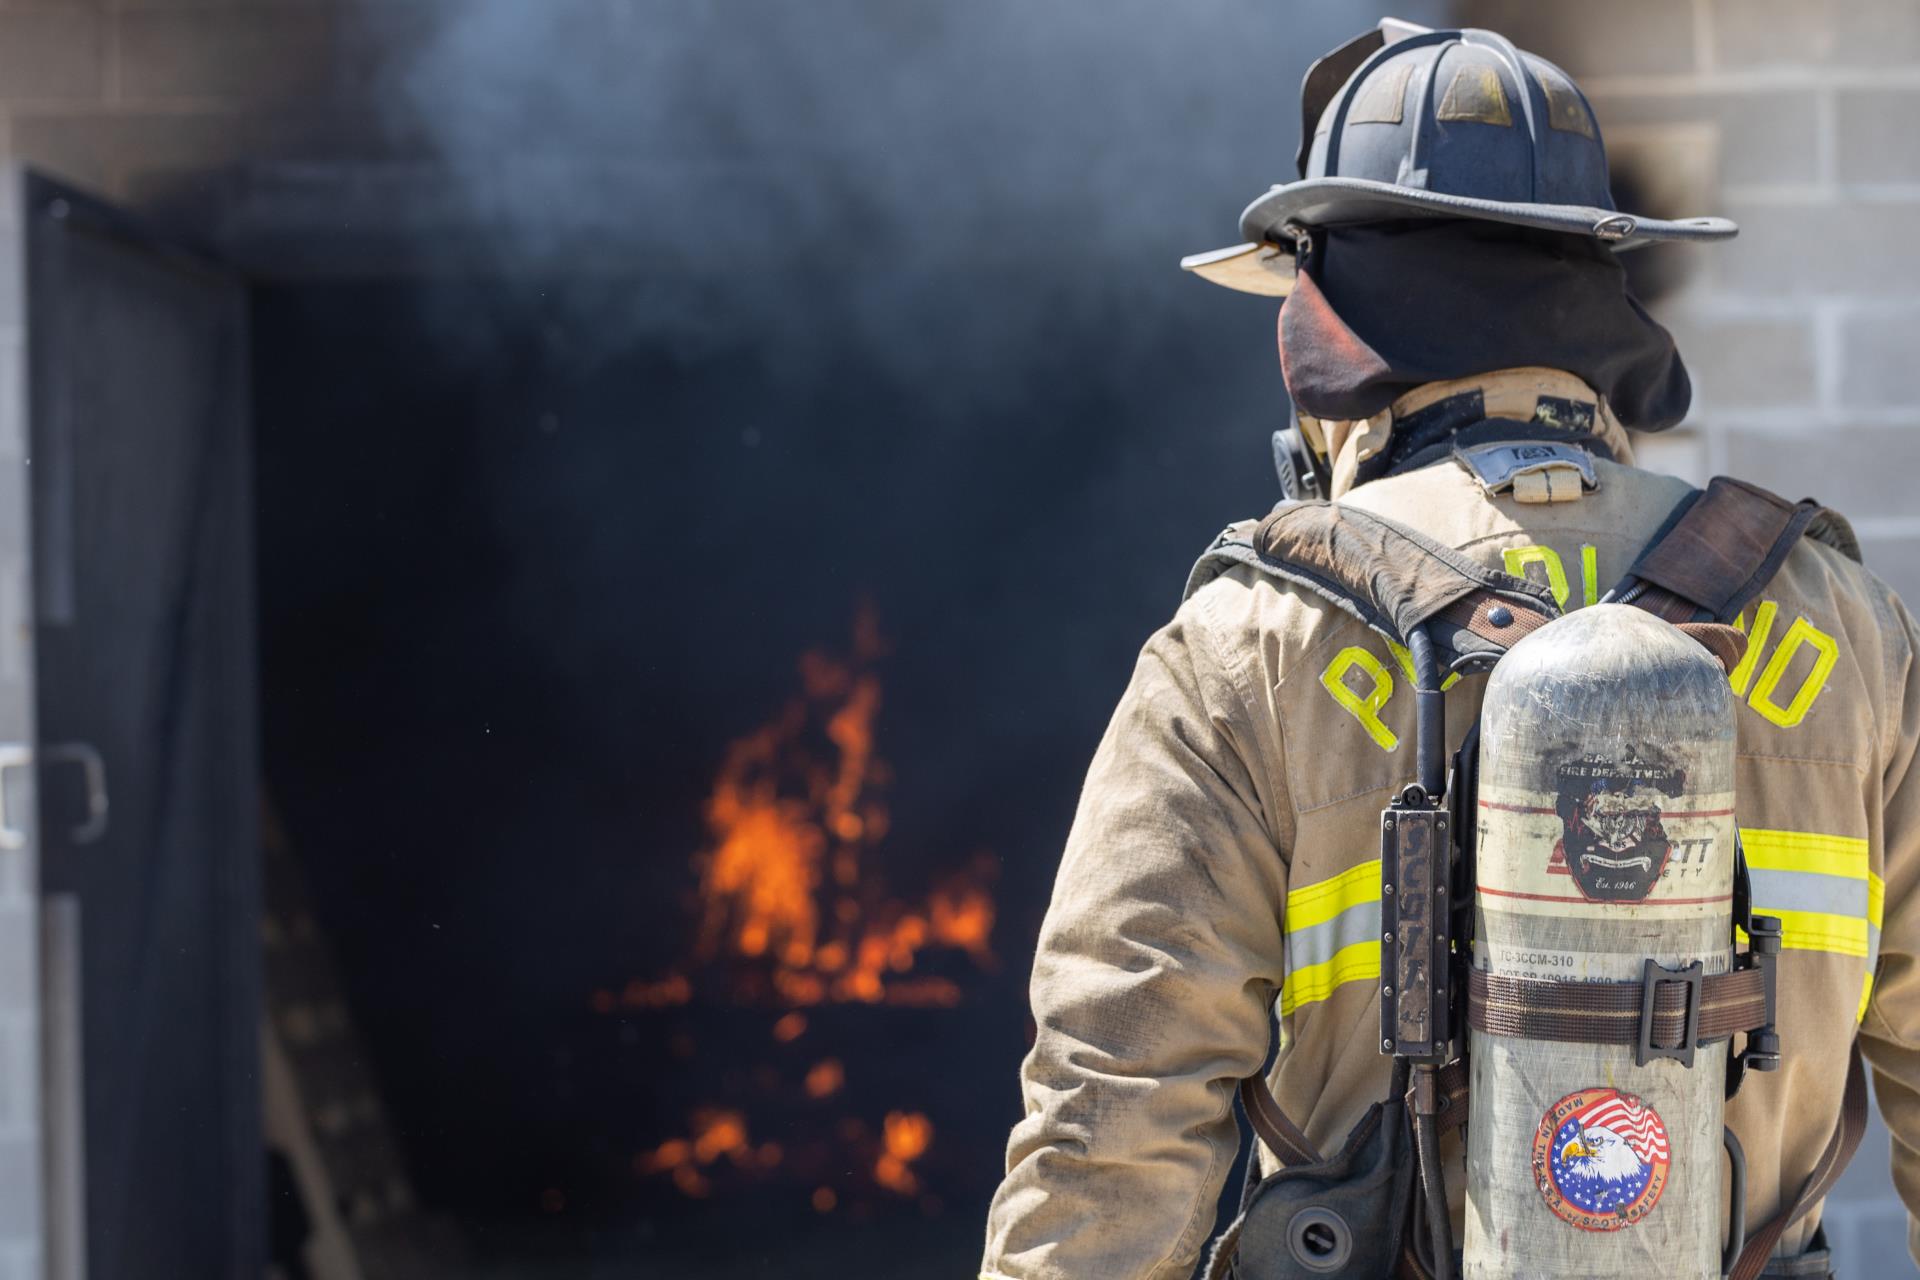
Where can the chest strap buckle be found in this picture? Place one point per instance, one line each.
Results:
(1652, 975)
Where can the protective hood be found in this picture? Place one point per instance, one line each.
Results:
(1380, 310)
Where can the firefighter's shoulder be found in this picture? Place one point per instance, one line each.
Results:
(1238, 591)
(1828, 597)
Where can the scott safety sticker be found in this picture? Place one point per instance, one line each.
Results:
(1612, 840)
(1600, 1159)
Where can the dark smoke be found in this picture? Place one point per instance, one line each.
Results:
(866, 162)
(719, 318)
(973, 210)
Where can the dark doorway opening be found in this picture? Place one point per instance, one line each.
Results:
(534, 555)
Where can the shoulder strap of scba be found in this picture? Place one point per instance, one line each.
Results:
(1717, 551)
(1715, 554)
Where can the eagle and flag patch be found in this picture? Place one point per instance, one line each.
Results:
(1600, 1159)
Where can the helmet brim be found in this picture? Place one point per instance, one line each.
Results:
(1329, 202)
(1260, 267)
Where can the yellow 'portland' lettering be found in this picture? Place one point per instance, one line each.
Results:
(1364, 708)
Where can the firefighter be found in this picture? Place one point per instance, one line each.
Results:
(1451, 283)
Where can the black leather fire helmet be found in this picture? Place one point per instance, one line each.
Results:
(1409, 122)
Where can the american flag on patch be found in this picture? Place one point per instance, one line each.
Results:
(1638, 1126)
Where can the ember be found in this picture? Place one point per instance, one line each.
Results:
(717, 1132)
(825, 1079)
(907, 1137)
(791, 914)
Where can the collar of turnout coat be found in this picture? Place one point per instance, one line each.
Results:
(1426, 418)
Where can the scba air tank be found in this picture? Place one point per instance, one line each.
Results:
(1605, 837)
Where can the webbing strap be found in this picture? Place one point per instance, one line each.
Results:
(1729, 644)
(1826, 1171)
(1282, 1136)
(1610, 1012)
(1722, 551)
(1501, 623)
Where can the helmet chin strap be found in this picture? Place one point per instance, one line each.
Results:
(1334, 450)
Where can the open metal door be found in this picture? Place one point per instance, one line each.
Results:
(143, 667)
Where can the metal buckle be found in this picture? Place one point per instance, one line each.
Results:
(1302, 237)
(1742, 888)
(1763, 952)
(1616, 226)
(1651, 976)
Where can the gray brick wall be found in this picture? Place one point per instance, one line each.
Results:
(181, 106)
(1804, 334)
(286, 133)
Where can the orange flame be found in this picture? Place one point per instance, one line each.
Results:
(784, 822)
(787, 910)
(761, 875)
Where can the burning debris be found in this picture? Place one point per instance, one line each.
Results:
(717, 1133)
(791, 917)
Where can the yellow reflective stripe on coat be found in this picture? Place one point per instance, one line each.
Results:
(1333, 935)
(1357, 963)
(1333, 925)
(1836, 898)
(1876, 905)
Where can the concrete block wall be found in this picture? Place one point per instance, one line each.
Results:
(170, 105)
(311, 138)
(110, 93)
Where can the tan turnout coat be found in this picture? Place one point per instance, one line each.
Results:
(1222, 867)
